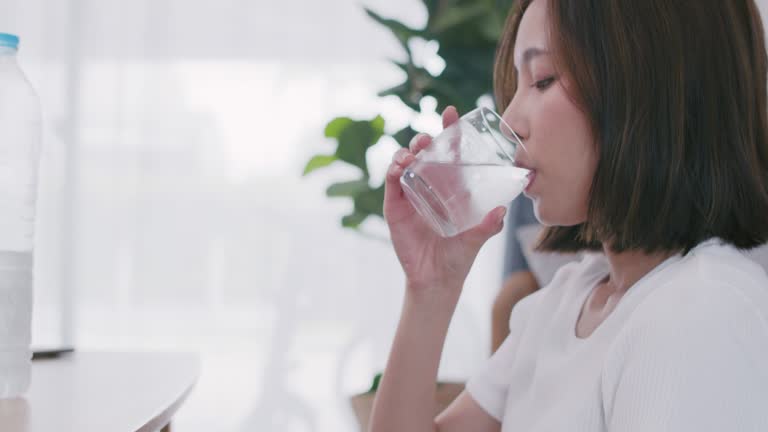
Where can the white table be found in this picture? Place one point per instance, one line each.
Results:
(90, 392)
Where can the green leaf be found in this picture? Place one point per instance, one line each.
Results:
(467, 32)
(378, 125)
(347, 189)
(319, 161)
(370, 201)
(334, 127)
(375, 384)
(353, 220)
(354, 141)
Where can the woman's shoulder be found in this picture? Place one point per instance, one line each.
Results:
(714, 287)
(718, 270)
(703, 325)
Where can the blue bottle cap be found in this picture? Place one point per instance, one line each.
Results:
(9, 40)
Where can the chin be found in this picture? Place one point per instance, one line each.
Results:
(550, 217)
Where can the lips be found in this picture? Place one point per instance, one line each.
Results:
(531, 177)
(520, 164)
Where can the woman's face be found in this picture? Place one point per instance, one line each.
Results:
(555, 131)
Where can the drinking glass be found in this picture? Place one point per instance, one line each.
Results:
(467, 171)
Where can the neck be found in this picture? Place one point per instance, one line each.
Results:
(626, 268)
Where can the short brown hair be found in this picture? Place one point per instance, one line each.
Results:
(675, 92)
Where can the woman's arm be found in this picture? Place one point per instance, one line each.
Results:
(405, 400)
(435, 270)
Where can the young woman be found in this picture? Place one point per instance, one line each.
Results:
(645, 125)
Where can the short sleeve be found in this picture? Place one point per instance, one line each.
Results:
(519, 215)
(760, 256)
(490, 385)
(702, 368)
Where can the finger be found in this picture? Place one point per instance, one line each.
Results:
(419, 143)
(393, 190)
(491, 225)
(396, 206)
(450, 116)
(392, 179)
(403, 157)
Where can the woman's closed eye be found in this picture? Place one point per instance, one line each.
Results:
(543, 84)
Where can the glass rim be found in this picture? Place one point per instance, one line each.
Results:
(517, 141)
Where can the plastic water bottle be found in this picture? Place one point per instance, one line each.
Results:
(20, 137)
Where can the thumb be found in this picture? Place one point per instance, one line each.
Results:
(491, 225)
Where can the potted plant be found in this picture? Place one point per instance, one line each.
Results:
(467, 32)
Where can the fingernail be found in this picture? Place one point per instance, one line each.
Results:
(502, 213)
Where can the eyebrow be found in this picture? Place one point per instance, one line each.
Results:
(531, 53)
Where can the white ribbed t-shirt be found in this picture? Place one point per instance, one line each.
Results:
(685, 350)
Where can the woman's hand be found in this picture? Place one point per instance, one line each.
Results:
(430, 261)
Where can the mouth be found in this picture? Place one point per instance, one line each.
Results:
(531, 177)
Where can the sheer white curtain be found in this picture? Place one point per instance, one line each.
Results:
(173, 215)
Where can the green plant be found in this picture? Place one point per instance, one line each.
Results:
(467, 32)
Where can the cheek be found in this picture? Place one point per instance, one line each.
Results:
(564, 136)
(566, 158)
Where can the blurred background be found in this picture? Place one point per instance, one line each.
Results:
(173, 214)
(173, 211)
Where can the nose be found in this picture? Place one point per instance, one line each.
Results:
(520, 156)
(513, 116)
